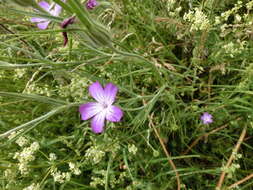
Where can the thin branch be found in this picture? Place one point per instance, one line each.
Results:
(165, 151)
(152, 125)
(9, 21)
(9, 31)
(205, 136)
(231, 158)
(241, 181)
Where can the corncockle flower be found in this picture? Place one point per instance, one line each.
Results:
(90, 4)
(206, 118)
(102, 109)
(53, 9)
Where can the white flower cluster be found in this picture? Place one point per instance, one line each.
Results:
(136, 184)
(234, 10)
(249, 5)
(241, 23)
(172, 9)
(113, 147)
(233, 167)
(99, 178)
(62, 177)
(236, 155)
(19, 73)
(132, 149)
(26, 156)
(233, 49)
(96, 181)
(230, 170)
(9, 173)
(22, 141)
(52, 157)
(35, 89)
(2, 74)
(74, 168)
(198, 19)
(222, 19)
(94, 154)
(59, 176)
(33, 186)
(75, 88)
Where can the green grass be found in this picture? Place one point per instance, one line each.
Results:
(169, 69)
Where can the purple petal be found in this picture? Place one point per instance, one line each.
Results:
(114, 114)
(90, 109)
(44, 5)
(91, 4)
(98, 122)
(43, 25)
(68, 21)
(206, 118)
(35, 19)
(56, 11)
(97, 92)
(110, 92)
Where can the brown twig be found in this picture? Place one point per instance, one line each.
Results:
(10, 21)
(11, 32)
(165, 151)
(231, 158)
(152, 125)
(241, 181)
(203, 136)
(168, 20)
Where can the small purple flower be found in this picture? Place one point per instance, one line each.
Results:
(206, 118)
(102, 109)
(90, 4)
(53, 9)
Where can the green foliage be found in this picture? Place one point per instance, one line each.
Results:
(172, 61)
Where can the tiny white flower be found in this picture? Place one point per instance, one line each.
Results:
(74, 168)
(22, 141)
(35, 146)
(132, 149)
(33, 186)
(52, 156)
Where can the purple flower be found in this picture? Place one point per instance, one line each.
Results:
(53, 9)
(90, 4)
(102, 109)
(206, 118)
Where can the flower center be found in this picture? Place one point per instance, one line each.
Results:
(104, 105)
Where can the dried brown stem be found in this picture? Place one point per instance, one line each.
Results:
(241, 181)
(203, 136)
(165, 151)
(11, 32)
(231, 158)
